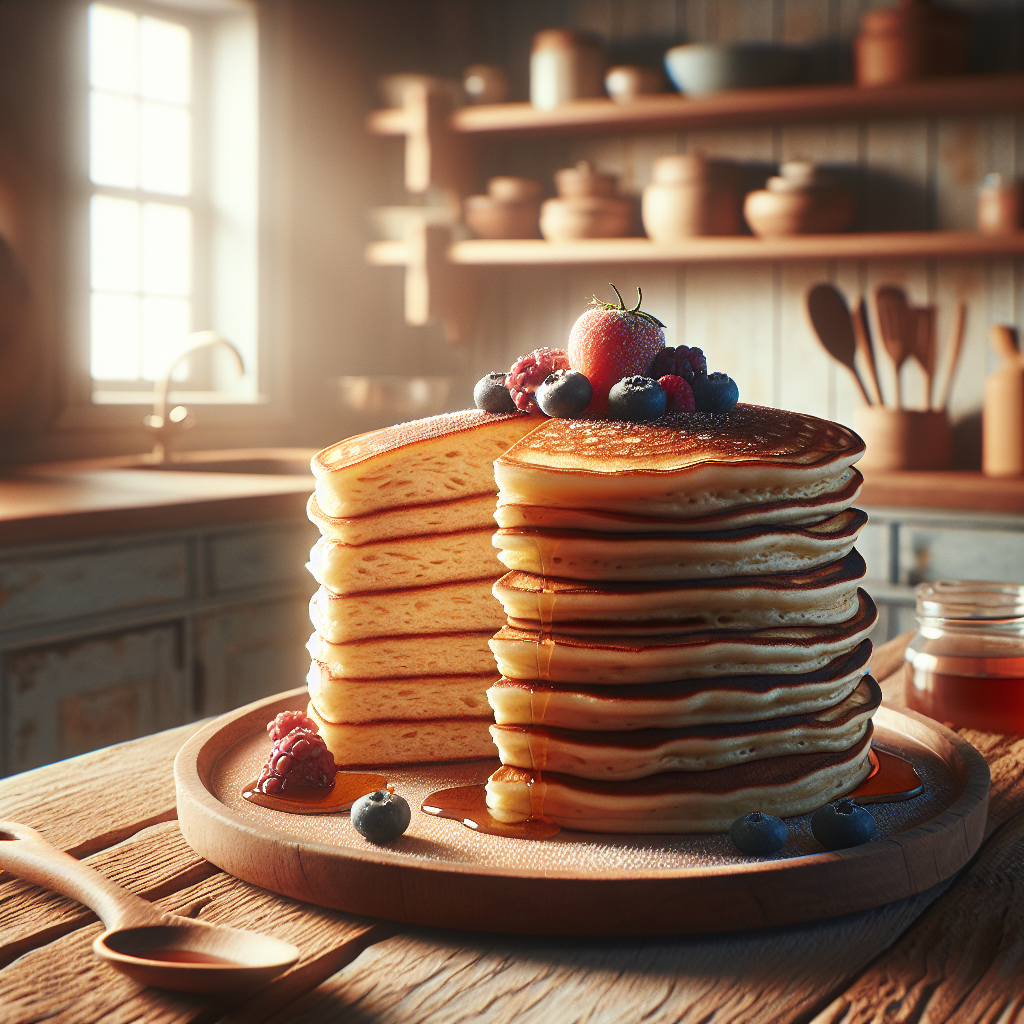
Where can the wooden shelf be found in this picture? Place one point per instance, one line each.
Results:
(944, 96)
(960, 490)
(743, 249)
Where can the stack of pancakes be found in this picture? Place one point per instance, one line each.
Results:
(686, 640)
(404, 612)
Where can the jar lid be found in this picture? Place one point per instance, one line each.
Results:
(970, 599)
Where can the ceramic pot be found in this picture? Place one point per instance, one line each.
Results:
(903, 438)
(582, 181)
(565, 66)
(814, 211)
(567, 218)
(691, 196)
(510, 209)
(999, 206)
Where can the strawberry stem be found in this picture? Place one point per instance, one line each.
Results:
(621, 307)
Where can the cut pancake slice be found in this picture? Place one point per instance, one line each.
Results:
(818, 596)
(422, 462)
(680, 802)
(458, 607)
(558, 657)
(847, 486)
(634, 755)
(401, 657)
(355, 701)
(678, 704)
(414, 521)
(574, 554)
(398, 742)
(404, 562)
(685, 465)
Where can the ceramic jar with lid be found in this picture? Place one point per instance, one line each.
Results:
(586, 207)
(916, 39)
(511, 209)
(800, 200)
(965, 665)
(999, 206)
(690, 195)
(565, 65)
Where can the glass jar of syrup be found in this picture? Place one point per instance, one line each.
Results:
(965, 666)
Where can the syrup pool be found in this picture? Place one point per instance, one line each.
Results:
(347, 789)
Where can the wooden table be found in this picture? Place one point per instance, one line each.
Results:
(954, 953)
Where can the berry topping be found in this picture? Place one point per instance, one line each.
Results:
(610, 342)
(565, 394)
(299, 760)
(381, 817)
(286, 721)
(715, 393)
(491, 395)
(678, 392)
(636, 399)
(530, 371)
(758, 834)
(682, 362)
(843, 823)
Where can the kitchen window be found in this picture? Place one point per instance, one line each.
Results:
(172, 198)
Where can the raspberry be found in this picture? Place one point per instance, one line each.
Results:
(530, 371)
(299, 760)
(678, 392)
(287, 721)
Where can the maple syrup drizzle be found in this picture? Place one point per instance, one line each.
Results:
(890, 780)
(347, 789)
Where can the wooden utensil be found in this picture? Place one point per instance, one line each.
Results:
(894, 323)
(955, 345)
(923, 322)
(149, 945)
(1002, 413)
(831, 321)
(861, 331)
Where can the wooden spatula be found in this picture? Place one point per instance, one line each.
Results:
(861, 331)
(894, 321)
(956, 343)
(831, 321)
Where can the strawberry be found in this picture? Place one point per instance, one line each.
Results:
(610, 342)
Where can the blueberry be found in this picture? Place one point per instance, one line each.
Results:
(564, 394)
(841, 824)
(758, 834)
(636, 399)
(715, 393)
(491, 395)
(381, 817)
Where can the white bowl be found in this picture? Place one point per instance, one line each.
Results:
(701, 68)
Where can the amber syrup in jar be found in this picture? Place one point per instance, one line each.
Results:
(965, 666)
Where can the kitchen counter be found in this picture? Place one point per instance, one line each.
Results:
(952, 489)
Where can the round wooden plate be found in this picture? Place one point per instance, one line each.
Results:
(442, 873)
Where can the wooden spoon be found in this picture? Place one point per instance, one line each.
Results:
(894, 321)
(149, 945)
(956, 343)
(832, 323)
(859, 316)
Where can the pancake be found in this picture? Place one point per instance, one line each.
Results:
(455, 607)
(685, 465)
(680, 802)
(414, 521)
(819, 596)
(801, 510)
(522, 654)
(401, 657)
(404, 562)
(398, 742)
(354, 701)
(680, 703)
(441, 458)
(750, 551)
(641, 752)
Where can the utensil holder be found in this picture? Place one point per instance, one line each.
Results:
(903, 438)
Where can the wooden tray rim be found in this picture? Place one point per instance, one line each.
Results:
(962, 822)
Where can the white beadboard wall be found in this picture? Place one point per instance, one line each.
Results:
(910, 174)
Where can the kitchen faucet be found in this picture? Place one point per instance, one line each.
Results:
(164, 424)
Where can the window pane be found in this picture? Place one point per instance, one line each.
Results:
(113, 140)
(166, 63)
(166, 249)
(113, 52)
(115, 337)
(114, 244)
(166, 152)
(165, 325)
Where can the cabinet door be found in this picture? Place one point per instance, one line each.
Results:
(69, 698)
(249, 653)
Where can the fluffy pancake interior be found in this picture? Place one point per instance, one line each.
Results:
(402, 657)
